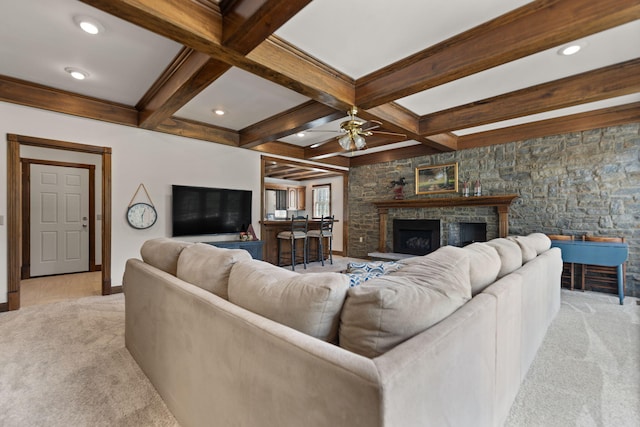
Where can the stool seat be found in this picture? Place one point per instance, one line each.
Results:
(292, 234)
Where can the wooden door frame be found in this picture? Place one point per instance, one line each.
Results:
(345, 197)
(25, 270)
(14, 220)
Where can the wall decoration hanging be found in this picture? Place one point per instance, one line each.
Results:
(437, 179)
(141, 215)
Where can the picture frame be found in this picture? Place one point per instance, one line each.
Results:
(437, 179)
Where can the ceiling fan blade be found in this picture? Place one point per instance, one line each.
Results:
(371, 125)
(379, 132)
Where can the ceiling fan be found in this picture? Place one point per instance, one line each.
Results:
(354, 131)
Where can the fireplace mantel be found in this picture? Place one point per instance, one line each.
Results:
(502, 202)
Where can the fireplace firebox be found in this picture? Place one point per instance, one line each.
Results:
(416, 236)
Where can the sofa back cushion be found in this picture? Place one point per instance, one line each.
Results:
(310, 303)
(390, 309)
(510, 255)
(532, 245)
(208, 266)
(163, 253)
(484, 265)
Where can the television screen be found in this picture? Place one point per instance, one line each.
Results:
(202, 210)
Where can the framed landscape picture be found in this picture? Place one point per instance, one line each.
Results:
(437, 179)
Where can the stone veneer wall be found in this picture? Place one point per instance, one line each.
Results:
(578, 183)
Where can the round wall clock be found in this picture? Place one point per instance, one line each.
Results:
(141, 215)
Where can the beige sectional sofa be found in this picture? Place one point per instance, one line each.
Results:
(444, 340)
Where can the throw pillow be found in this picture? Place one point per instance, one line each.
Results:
(382, 267)
(310, 303)
(390, 309)
(484, 265)
(208, 266)
(163, 253)
(526, 247)
(356, 279)
(510, 255)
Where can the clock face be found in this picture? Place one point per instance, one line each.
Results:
(141, 215)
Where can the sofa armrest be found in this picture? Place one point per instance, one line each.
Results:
(446, 374)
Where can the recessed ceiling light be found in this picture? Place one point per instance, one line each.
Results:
(571, 49)
(219, 112)
(77, 73)
(88, 25)
(300, 134)
(315, 145)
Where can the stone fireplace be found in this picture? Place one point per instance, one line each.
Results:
(416, 236)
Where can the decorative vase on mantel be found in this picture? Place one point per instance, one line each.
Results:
(465, 188)
(477, 188)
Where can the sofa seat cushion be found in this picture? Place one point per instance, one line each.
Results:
(208, 267)
(310, 303)
(390, 309)
(163, 253)
(510, 255)
(484, 265)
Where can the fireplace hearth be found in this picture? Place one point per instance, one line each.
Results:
(416, 236)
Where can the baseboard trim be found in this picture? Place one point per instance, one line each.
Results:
(4, 307)
(116, 289)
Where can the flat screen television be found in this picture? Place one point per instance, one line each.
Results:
(202, 210)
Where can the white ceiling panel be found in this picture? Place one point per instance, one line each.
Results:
(357, 37)
(245, 98)
(602, 49)
(561, 112)
(41, 39)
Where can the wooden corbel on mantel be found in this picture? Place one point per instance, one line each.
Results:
(502, 202)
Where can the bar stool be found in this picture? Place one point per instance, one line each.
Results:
(298, 231)
(325, 230)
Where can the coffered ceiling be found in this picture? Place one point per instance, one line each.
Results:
(443, 75)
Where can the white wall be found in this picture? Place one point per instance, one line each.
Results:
(138, 156)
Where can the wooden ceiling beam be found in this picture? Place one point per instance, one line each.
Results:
(189, 74)
(398, 119)
(247, 24)
(190, 23)
(612, 116)
(417, 150)
(200, 28)
(198, 130)
(532, 28)
(608, 82)
(305, 116)
(46, 98)
(282, 63)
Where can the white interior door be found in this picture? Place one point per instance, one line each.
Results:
(59, 220)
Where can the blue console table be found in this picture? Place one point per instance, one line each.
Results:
(595, 253)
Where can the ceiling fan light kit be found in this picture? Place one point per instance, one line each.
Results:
(353, 133)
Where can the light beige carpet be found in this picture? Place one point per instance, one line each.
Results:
(65, 364)
(587, 370)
